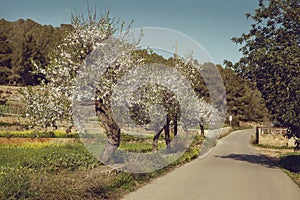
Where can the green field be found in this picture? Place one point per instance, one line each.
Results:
(69, 171)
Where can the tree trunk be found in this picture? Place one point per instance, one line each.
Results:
(201, 124)
(201, 129)
(112, 129)
(111, 146)
(175, 127)
(69, 130)
(167, 134)
(155, 140)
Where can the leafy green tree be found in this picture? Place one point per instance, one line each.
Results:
(271, 57)
(23, 63)
(243, 102)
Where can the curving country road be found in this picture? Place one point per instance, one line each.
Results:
(233, 170)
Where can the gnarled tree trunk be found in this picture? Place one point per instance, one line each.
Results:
(112, 129)
(167, 134)
(201, 124)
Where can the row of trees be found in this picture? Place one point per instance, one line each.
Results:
(26, 42)
(244, 101)
(89, 63)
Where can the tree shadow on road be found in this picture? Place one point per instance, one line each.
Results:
(290, 162)
(255, 159)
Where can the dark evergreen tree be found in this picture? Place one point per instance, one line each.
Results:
(5, 59)
(244, 102)
(23, 42)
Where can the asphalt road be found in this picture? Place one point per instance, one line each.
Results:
(233, 170)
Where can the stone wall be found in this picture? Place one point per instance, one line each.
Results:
(277, 140)
(217, 133)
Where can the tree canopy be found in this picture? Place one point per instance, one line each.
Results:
(244, 102)
(271, 58)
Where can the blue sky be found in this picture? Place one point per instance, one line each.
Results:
(212, 23)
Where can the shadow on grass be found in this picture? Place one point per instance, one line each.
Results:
(290, 162)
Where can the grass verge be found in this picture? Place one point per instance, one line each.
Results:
(69, 171)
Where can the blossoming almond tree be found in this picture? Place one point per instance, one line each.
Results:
(52, 100)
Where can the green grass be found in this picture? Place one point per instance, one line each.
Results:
(24, 167)
(13, 109)
(139, 147)
(69, 171)
(4, 109)
(131, 138)
(46, 157)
